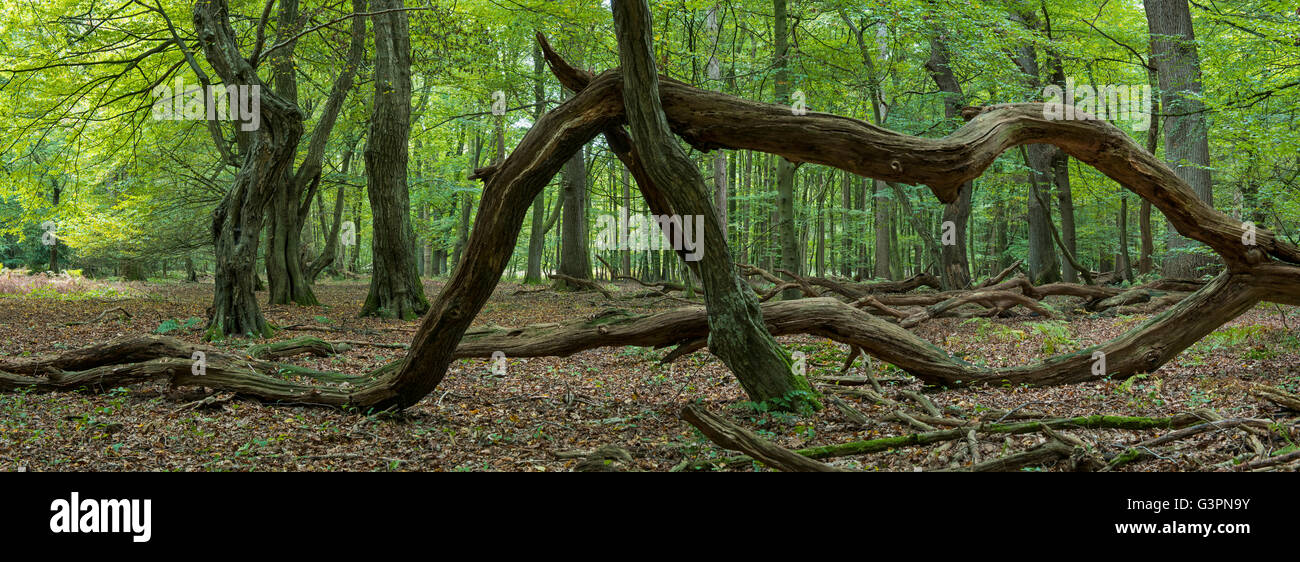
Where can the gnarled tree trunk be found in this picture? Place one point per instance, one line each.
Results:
(736, 331)
(395, 288)
(288, 277)
(267, 156)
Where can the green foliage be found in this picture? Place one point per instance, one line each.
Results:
(171, 325)
(1057, 337)
(1142, 391)
(986, 329)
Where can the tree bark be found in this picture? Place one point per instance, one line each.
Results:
(288, 277)
(395, 288)
(328, 258)
(1187, 144)
(785, 223)
(537, 234)
(954, 268)
(267, 156)
(737, 334)
(575, 259)
(736, 438)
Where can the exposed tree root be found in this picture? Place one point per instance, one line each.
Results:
(931, 437)
(1142, 451)
(1042, 454)
(736, 438)
(582, 283)
(1278, 396)
(121, 311)
(297, 346)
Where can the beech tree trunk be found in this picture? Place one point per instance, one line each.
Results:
(328, 258)
(288, 276)
(536, 234)
(737, 334)
(395, 288)
(882, 209)
(954, 268)
(1187, 141)
(267, 156)
(575, 260)
(1145, 264)
(1065, 200)
(785, 227)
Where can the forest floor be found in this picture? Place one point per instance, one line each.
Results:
(545, 412)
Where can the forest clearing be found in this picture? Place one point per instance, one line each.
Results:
(650, 236)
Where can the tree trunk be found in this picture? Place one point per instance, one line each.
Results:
(1043, 265)
(1145, 265)
(288, 276)
(425, 266)
(267, 155)
(1124, 264)
(536, 234)
(1060, 164)
(737, 334)
(287, 280)
(328, 258)
(954, 268)
(1065, 199)
(1187, 141)
(54, 248)
(395, 288)
(575, 260)
(883, 227)
(627, 208)
(720, 189)
(785, 223)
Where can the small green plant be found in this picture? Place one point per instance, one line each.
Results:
(1196, 398)
(987, 329)
(1056, 335)
(1142, 394)
(172, 324)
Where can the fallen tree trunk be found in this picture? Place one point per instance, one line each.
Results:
(931, 437)
(996, 301)
(153, 358)
(859, 290)
(1142, 350)
(1000, 276)
(1049, 451)
(731, 436)
(1278, 396)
